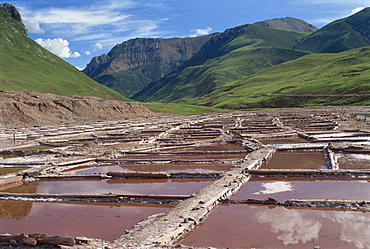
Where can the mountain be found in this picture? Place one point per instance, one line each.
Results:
(288, 24)
(340, 35)
(261, 65)
(236, 53)
(314, 79)
(26, 66)
(133, 64)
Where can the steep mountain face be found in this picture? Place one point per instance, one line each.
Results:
(26, 66)
(344, 34)
(288, 24)
(231, 55)
(133, 64)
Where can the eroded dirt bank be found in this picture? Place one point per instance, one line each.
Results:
(25, 109)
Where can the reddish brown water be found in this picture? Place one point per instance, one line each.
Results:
(353, 161)
(124, 186)
(38, 147)
(296, 160)
(167, 168)
(283, 140)
(210, 147)
(8, 170)
(247, 226)
(103, 222)
(185, 157)
(283, 189)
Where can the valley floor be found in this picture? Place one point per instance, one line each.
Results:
(181, 172)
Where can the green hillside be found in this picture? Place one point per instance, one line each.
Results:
(26, 66)
(344, 34)
(180, 109)
(314, 79)
(237, 53)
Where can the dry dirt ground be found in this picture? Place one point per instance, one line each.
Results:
(26, 109)
(151, 140)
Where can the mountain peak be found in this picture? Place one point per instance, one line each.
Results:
(11, 15)
(288, 24)
(13, 11)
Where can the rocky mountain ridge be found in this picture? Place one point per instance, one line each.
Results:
(288, 24)
(131, 65)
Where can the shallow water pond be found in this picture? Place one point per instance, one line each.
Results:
(8, 170)
(119, 186)
(353, 161)
(283, 140)
(155, 167)
(296, 160)
(93, 221)
(253, 226)
(283, 189)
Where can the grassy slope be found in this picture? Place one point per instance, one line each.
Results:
(309, 75)
(26, 66)
(239, 52)
(181, 109)
(341, 35)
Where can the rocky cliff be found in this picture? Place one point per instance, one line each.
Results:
(31, 108)
(133, 64)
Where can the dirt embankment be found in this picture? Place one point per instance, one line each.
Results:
(31, 108)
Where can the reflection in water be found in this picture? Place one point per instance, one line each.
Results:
(255, 226)
(274, 187)
(103, 222)
(291, 225)
(355, 227)
(14, 210)
(116, 186)
(304, 188)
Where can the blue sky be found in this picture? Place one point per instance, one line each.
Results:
(78, 30)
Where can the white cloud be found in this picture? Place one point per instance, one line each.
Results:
(358, 9)
(291, 225)
(87, 52)
(92, 22)
(275, 187)
(354, 227)
(97, 46)
(58, 46)
(33, 26)
(197, 32)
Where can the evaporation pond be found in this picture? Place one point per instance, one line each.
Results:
(284, 189)
(104, 221)
(253, 226)
(210, 147)
(353, 161)
(296, 160)
(186, 156)
(154, 167)
(283, 140)
(8, 170)
(115, 186)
